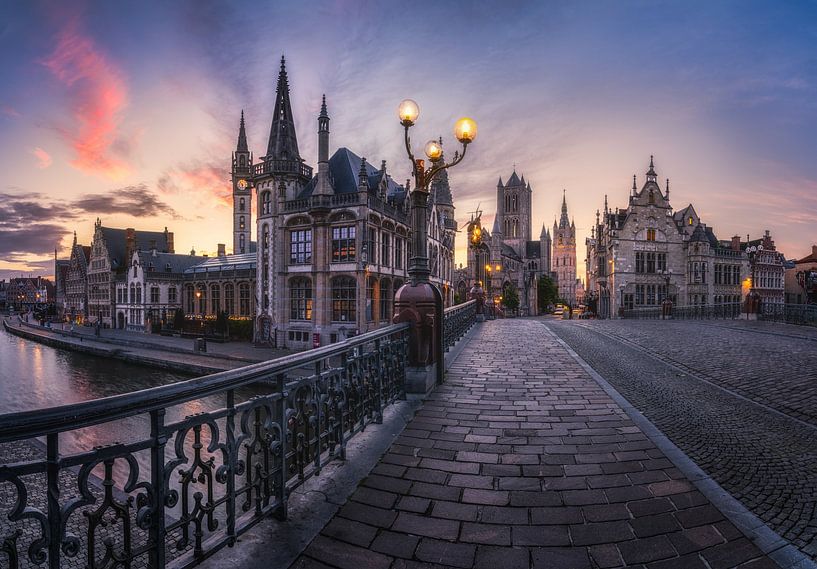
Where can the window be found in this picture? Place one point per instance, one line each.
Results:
(190, 299)
(385, 301)
(661, 259)
(241, 204)
(244, 299)
(241, 222)
(215, 299)
(371, 299)
(372, 246)
(690, 221)
(651, 235)
(384, 249)
(343, 244)
(344, 296)
(265, 203)
(300, 246)
(650, 262)
(300, 299)
(229, 299)
(201, 295)
(241, 243)
(398, 253)
(639, 294)
(154, 295)
(651, 296)
(171, 295)
(639, 261)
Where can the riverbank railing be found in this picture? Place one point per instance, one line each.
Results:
(723, 311)
(803, 314)
(209, 477)
(457, 320)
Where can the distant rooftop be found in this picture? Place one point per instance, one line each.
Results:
(244, 261)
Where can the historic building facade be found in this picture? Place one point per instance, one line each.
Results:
(333, 248)
(564, 255)
(507, 256)
(150, 290)
(225, 283)
(111, 254)
(801, 280)
(768, 273)
(640, 255)
(76, 283)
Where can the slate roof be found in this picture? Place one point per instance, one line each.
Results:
(344, 170)
(243, 261)
(177, 263)
(509, 251)
(513, 181)
(116, 241)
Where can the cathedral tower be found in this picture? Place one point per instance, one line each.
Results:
(242, 196)
(564, 255)
(514, 203)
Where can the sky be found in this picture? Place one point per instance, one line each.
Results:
(129, 111)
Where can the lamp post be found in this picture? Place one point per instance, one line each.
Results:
(753, 298)
(621, 301)
(666, 305)
(419, 302)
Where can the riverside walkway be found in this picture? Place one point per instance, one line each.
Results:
(524, 458)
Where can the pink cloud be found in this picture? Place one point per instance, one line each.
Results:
(9, 111)
(99, 95)
(43, 158)
(200, 180)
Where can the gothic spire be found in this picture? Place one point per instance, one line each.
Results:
(635, 188)
(499, 183)
(440, 187)
(324, 112)
(363, 176)
(667, 196)
(242, 136)
(283, 144)
(543, 233)
(564, 222)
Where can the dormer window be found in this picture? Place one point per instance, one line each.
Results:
(167, 267)
(690, 220)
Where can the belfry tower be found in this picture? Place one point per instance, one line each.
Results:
(242, 194)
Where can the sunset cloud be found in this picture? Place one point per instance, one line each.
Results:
(98, 94)
(137, 201)
(43, 158)
(199, 180)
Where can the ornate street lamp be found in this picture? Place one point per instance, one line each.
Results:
(667, 304)
(419, 302)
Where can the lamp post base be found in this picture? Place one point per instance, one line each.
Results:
(421, 305)
(420, 380)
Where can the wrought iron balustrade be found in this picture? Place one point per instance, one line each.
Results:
(804, 314)
(457, 320)
(194, 483)
(724, 311)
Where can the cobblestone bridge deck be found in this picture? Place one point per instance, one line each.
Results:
(522, 459)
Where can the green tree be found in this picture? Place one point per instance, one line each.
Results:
(178, 320)
(547, 293)
(510, 297)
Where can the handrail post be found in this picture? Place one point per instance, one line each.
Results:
(157, 480)
(281, 482)
(232, 461)
(53, 490)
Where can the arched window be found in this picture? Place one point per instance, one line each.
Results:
(229, 298)
(300, 299)
(244, 299)
(241, 243)
(265, 203)
(191, 299)
(215, 299)
(201, 296)
(241, 204)
(241, 222)
(132, 293)
(344, 297)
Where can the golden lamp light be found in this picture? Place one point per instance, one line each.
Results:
(465, 130)
(434, 150)
(408, 111)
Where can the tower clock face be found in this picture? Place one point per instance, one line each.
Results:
(242, 184)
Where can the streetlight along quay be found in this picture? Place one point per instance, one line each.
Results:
(419, 302)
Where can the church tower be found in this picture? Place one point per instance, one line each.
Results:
(515, 221)
(242, 196)
(564, 255)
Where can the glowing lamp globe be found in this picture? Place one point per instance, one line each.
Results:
(434, 150)
(465, 130)
(408, 111)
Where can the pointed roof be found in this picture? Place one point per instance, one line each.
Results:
(283, 143)
(499, 184)
(563, 221)
(242, 136)
(345, 173)
(440, 188)
(544, 232)
(651, 171)
(513, 181)
(324, 113)
(496, 230)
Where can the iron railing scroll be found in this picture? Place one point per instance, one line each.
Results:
(457, 320)
(188, 485)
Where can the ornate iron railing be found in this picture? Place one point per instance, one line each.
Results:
(725, 311)
(457, 320)
(804, 314)
(187, 486)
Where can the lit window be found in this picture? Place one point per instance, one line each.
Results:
(343, 244)
(651, 235)
(300, 303)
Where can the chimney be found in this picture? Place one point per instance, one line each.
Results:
(736, 243)
(169, 241)
(221, 250)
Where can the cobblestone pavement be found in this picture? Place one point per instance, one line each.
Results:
(522, 460)
(750, 428)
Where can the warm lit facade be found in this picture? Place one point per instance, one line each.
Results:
(639, 255)
(332, 248)
(507, 256)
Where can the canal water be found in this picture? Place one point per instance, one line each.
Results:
(34, 376)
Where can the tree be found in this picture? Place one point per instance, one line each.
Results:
(510, 297)
(547, 293)
(178, 320)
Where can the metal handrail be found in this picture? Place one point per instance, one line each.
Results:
(40, 422)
